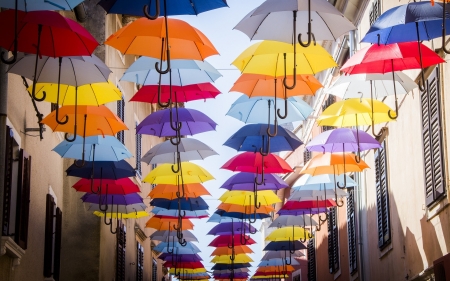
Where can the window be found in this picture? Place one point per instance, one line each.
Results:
(121, 115)
(154, 270)
(140, 262)
(53, 106)
(154, 167)
(333, 241)
(433, 154)
(52, 240)
(138, 155)
(351, 230)
(381, 178)
(329, 101)
(120, 255)
(306, 156)
(16, 196)
(375, 11)
(311, 255)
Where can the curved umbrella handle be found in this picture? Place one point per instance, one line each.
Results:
(33, 92)
(158, 69)
(422, 82)
(250, 220)
(393, 117)
(169, 102)
(147, 14)
(293, 245)
(358, 153)
(256, 204)
(178, 124)
(345, 178)
(16, 30)
(177, 164)
(66, 118)
(176, 140)
(275, 132)
(103, 209)
(285, 109)
(261, 149)
(117, 222)
(294, 70)
(372, 119)
(180, 195)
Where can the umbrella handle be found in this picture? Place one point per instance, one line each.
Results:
(294, 71)
(169, 102)
(310, 34)
(14, 52)
(373, 122)
(393, 117)
(256, 204)
(335, 195)
(66, 118)
(275, 132)
(117, 221)
(285, 109)
(345, 178)
(177, 140)
(178, 164)
(147, 14)
(178, 124)
(261, 150)
(159, 70)
(103, 209)
(444, 29)
(250, 220)
(358, 153)
(33, 92)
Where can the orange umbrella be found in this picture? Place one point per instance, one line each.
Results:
(238, 249)
(245, 209)
(257, 85)
(289, 268)
(168, 223)
(333, 163)
(169, 191)
(146, 37)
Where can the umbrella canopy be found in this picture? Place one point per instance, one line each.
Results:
(183, 72)
(293, 221)
(191, 173)
(102, 170)
(185, 264)
(252, 162)
(273, 20)
(186, 42)
(166, 190)
(288, 233)
(174, 7)
(105, 186)
(221, 266)
(40, 5)
(239, 258)
(75, 70)
(113, 199)
(218, 218)
(183, 258)
(228, 227)
(163, 235)
(188, 204)
(284, 246)
(180, 251)
(68, 37)
(277, 262)
(188, 270)
(236, 215)
(267, 58)
(161, 212)
(189, 245)
(321, 182)
(131, 209)
(245, 198)
(312, 203)
(257, 110)
(189, 149)
(299, 212)
(278, 255)
(246, 181)
(264, 269)
(343, 140)
(159, 123)
(168, 223)
(354, 112)
(333, 163)
(225, 240)
(202, 91)
(238, 249)
(253, 137)
(234, 208)
(107, 148)
(371, 85)
(119, 215)
(325, 193)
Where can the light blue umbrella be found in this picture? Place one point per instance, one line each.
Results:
(277, 262)
(165, 247)
(174, 213)
(40, 5)
(321, 182)
(219, 219)
(184, 72)
(107, 148)
(256, 110)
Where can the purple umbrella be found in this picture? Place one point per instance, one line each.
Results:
(181, 258)
(246, 181)
(299, 212)
(113, 199)
(229, 228)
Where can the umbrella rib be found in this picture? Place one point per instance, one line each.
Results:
(95, 96)
(256, 31)
(326, 24)
(53, 42)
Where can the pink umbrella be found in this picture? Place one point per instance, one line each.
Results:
(203, 91)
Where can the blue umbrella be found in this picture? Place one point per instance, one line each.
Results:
(222, 266)
(40, 5)
(189, 204)
(219, 219)
(253, 137)
(189, 246)
(181, 250)
(102, 170)
(229, 228)
(277, 262)
(242, 216)
(257, 110)
(284, 246)
(97, 148)
(175, 213)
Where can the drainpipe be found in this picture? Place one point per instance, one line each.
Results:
(3, 111)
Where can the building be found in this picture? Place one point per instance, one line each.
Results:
(70, 243)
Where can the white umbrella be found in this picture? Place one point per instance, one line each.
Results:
(291, 220)
(360, 85)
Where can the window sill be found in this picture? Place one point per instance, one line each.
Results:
(49, 279)
(354, 276)
(437, 207)
(10, 248)
(337, 274)
(385, 251)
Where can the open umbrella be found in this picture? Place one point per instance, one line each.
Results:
(225, 240)
(227, 227)
(238, 249)
(167, 223)
(189, 204)
(284, 246)
(266, 197)
(162, 212)
(168, 256)
(101, 170)
(190, 190)
(252, 163)
(277, 255)
(305, 220)
(236, 208)
(245, 181)
(239, 258)
(106, 186)
(132, 215)
(119, 209)
(162, 235)
(278, 262)
(192, 173)
(40, 5)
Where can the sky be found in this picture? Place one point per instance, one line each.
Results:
(218, 25)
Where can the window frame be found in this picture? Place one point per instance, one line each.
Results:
(333, 240)
(311, 258)
(139, 262)
(351, 231)
(121, 240)
(382, 195)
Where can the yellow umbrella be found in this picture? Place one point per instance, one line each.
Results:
(239, 258)
(189, 173)
(132, 215)
(188, 270)
(267, 58)
(89, 94)
(288, 233)
(246, 198)
(277, 276)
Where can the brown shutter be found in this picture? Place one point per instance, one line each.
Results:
(120, 254)
(351, 230)
(434, 168)
(140, 262)
(23, 199)
(8, 182)
(57, 252)
(329, 101)
(382, 191)
(48, 246)
(121, 115)
(311, 255)
(333, 241)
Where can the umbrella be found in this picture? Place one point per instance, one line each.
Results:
(257, 109)
(185, 264)
(238, 249)
(253, 163)
(288, 233)
(299, 212)
(226, 240)
(284, 246)
(187, 150)
(278, 262)
(218, 218)
(245, 209)
(164, 174)
(118, 199)
(189, 204)
(270, 269)
(163, 235)
(239, 258)
(120, 186)
(162, 212)
(391, 58)
(227, 227)
(102, 170)
(180, 250)
(120, 209)
(236, 215)
(195, 270)
(40, 5)
(167, 223)
(189, 245)
(202, 91)
(245, 181)
(266, 197)
(168, 256)
(293, 221)
(132, 215)
(190, 190)
(221, 266)
(278, 255)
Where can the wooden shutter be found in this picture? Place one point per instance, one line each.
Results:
(333, 241)
(120, 254)
(154, 270)
(138, 154)
(351, 230)
(306, 156)
(57, 252)
(434, 167)
(311, 255)
(23, 199)
(49, 227)
(375, 11)
(8, 182)
(121, 115)
(140, 262)
(381, 184)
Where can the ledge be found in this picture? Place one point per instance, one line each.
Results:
(436, 208)
(10, 248)
(385, 251)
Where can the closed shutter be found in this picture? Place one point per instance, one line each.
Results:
(306, 156)
(48, 241)
(311, 255)
(140, 262)
(57, 253)
(375, 11)
(23, 199)
(333, 241)
(434, 167)
(381, 184)
(351, 230)
(121, 115)
(120, 255)
(8, 183)
(138, 154)
(154, 270)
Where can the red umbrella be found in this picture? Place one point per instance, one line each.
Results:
(253, 162)
(185, 217)
(226, 240)
(310, 204)
(105, 186)
(390, 58)
(149, 93)
(179, 265)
